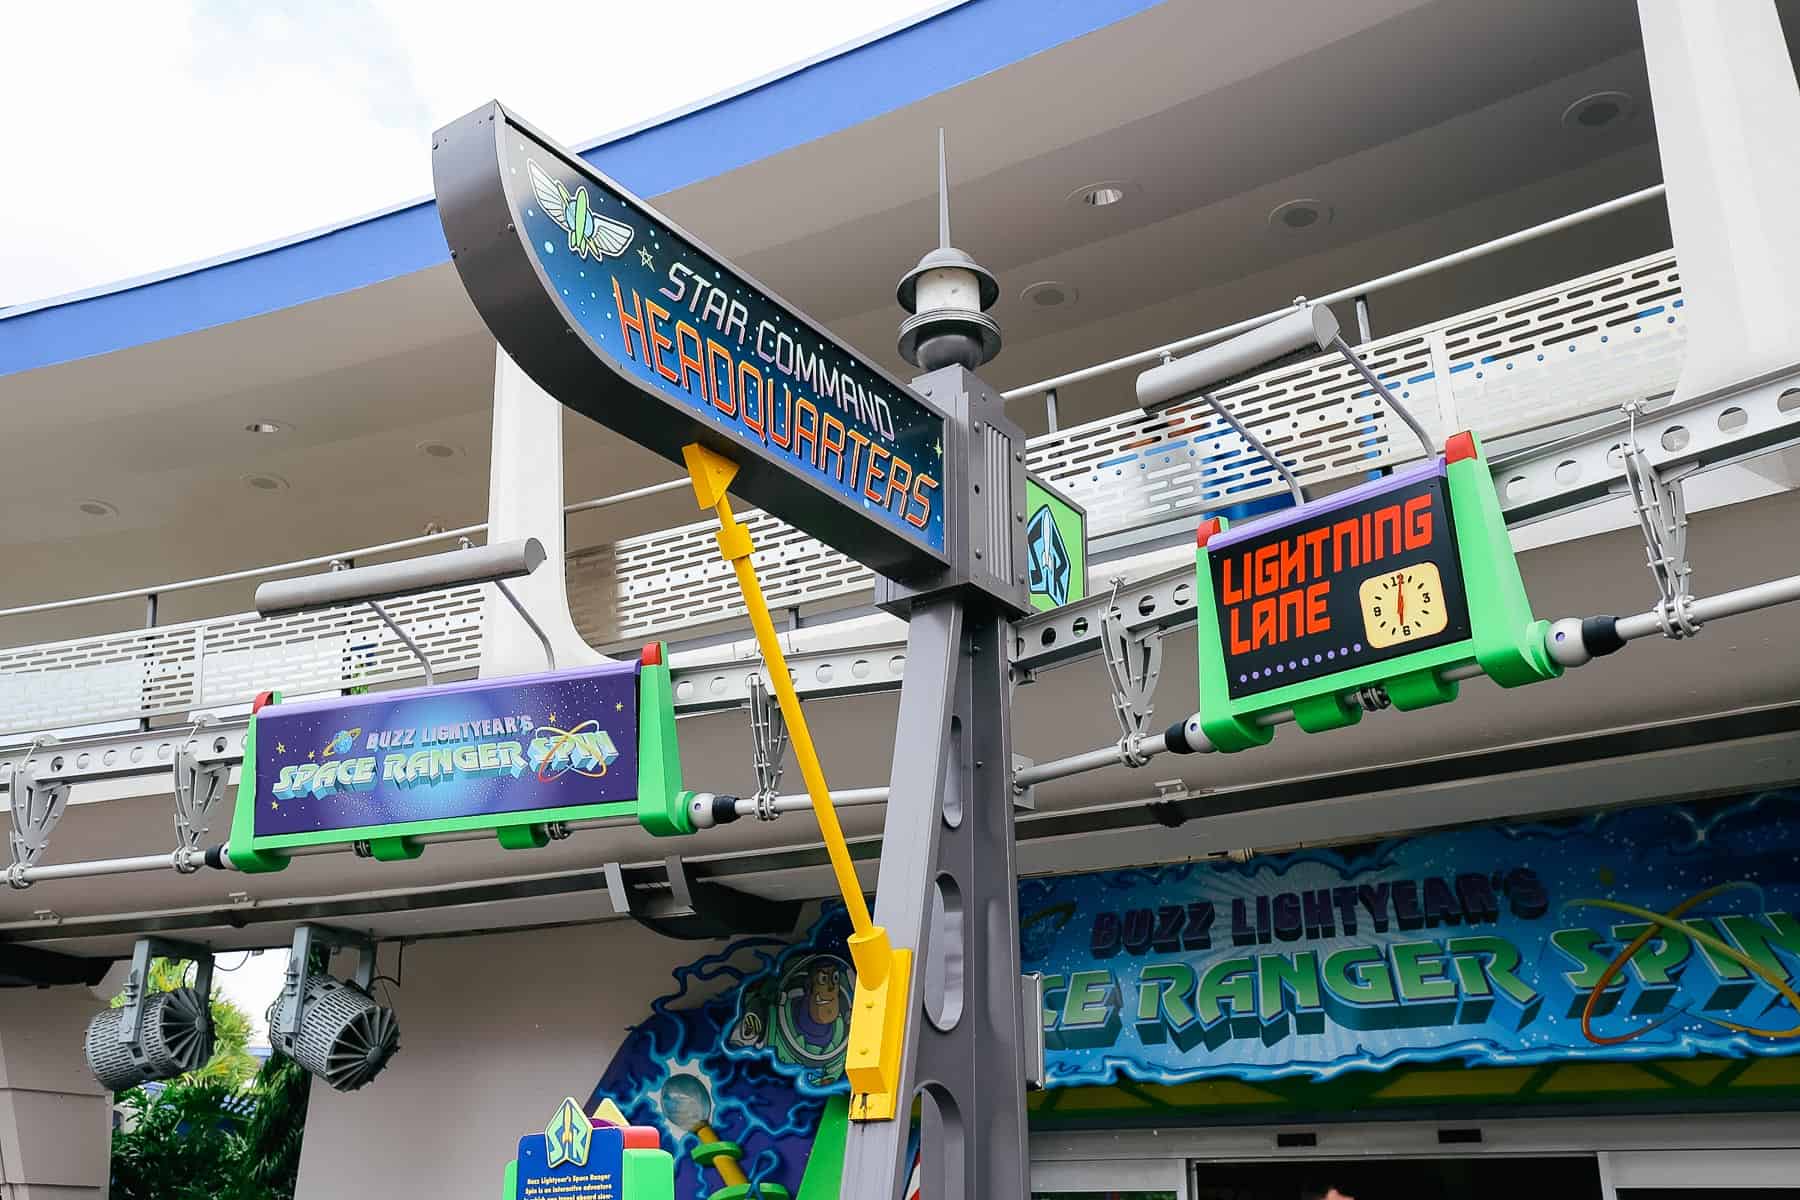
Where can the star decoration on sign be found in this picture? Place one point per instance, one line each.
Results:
(552, 718)
(644, 257)
(281, 747)
(618, 706)
(309, 754)
(274, 806)
(939, 447)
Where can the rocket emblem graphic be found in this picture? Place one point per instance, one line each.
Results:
(590, 234)
(568, 1136)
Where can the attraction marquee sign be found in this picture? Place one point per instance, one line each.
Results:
(1388, 584)
(1656, 932)
(511, 755)
(623, 317)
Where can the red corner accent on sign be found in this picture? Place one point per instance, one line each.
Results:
(262, 699)
(642, 1137)
(652, 655)
(1459, 447)
(1206, 531)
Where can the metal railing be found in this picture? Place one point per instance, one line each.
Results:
(1578, 346)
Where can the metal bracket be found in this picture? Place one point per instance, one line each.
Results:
(137, 986)
(407, 638)
(688, 909)
(37, 807)
(1133, 666)
(1661, 507)
(198, 789)
(290, 1008)
(768, 747)
(1381, 389)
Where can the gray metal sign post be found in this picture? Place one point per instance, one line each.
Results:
(624, 317)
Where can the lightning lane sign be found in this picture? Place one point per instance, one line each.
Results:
(623, 317)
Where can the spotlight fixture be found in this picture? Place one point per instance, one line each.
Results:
(1297, 216)
(264, 427)
(1599, 110)
(438, 450)
(263, 482)
(1100, 195)
(157, 1035)
(332, 1027)
(98, 508)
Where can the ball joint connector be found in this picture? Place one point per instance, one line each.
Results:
(708, 809)
(1577, 641)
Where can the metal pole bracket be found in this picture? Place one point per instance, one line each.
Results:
(1661, 507)
(1133, 666)
(37, 808)
(199, 786)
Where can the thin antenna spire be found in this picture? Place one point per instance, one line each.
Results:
(943, 195)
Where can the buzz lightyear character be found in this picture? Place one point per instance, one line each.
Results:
(805, 1022)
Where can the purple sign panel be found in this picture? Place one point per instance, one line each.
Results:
(468, 750)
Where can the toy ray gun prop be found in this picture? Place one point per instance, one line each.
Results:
(1388, 592)
(521, 758)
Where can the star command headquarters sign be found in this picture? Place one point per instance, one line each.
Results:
(623, 317)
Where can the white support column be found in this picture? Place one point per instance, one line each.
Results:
(525, 499)
(55, 1120)
(1727, 108)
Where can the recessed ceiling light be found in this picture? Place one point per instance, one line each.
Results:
(264, 427)
(1099, 195)
(1298, 216)
(98, 508)
(264, 482)
(1050, 293)
(1599, 110)
(438, 450)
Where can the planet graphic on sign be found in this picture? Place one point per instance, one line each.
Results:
(342, 742)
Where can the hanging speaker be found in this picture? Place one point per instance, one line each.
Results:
(177, 1037)
(344, 1037)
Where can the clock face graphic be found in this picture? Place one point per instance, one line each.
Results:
(1403, 605)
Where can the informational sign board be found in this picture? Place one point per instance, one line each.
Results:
(1658, 932)
(620, 315)
(582, 1158)
(1055, 546)
(1369, 575)
(1389, 584)
(508, 755)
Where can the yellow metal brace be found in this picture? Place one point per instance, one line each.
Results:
(883, 974)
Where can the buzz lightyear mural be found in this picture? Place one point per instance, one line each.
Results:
(802, 1018)
(738, 1063)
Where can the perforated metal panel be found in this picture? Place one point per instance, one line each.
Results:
(173, 670)
(1582, 346)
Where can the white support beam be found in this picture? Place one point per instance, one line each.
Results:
(1726, 109)
(525, 500)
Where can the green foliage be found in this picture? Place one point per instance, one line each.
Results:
(205, 1139)
(274, 1130)
(183, 1144)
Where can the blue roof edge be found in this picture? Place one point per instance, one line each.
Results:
(891, 68)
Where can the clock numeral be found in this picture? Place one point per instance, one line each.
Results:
(1377, 610)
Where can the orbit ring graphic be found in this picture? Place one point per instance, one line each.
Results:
(566, 737)
(1670, 922)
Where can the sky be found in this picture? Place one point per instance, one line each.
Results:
(148, 135)
(143, 136)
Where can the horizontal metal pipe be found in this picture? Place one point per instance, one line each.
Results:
(406, 577)
(1711, 608)
(99, 866)
(1350, 293)
(1149, 746)
(655, 489)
